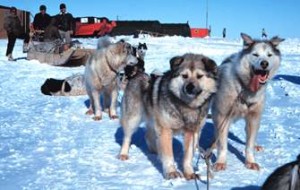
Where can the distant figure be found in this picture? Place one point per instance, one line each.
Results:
(224, 32)
(263, 33)
(284, 177)
(42, 19)
(14, 30)
(209, 31)
(65, 24)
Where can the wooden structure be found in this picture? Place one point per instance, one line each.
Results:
(23, 15)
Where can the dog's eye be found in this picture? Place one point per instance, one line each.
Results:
(255, 54)
(269, 54)
(185, 76)
(199, 76)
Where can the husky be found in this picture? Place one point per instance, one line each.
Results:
(176, 101)
(242, 82)
(70, 86)
(101, 72)
(141, 50)
(284, 177)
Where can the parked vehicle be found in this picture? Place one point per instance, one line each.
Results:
(93, 26)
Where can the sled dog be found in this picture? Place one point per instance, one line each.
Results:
(101, 73)
(242, 81)
(70, 86)
(178, 100)
(140, 52)
(284, 177)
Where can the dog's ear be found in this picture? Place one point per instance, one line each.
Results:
(145, 45)
(121, 41)
(210, 65)
(67, 87)
(247, 40)
(275, 41)
(175, 62)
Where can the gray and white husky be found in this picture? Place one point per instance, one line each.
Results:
(176, 101)
(101, 72)
(241, 90)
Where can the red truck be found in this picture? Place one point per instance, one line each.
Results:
(93, 26)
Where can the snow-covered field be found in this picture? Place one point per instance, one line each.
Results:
(49, 143)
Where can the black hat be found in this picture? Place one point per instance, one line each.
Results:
(62, 6)
(43, 8)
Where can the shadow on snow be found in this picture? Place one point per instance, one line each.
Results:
(290, 78)
(205, 141)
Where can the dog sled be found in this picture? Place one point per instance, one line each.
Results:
(57, 54)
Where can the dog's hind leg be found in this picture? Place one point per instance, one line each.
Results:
(151, 138)
(95, 102)
(221, 134)
(252, 126)
(113, 104)
(129, 123)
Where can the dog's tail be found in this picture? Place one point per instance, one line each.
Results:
(104, 42)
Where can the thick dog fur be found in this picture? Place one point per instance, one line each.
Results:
(286, 177)
(70, 86)
(176, 101)
(241, 93)
(101, 75)
(130, 70)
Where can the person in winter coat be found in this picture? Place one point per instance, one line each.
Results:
(14, 29)
(42, 19)
(65, 24)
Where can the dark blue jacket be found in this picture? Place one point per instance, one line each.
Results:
(65, 21)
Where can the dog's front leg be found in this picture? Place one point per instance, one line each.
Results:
(113, 105)
(189, 143)
(252, 126)
(166, 153)
(95, 101)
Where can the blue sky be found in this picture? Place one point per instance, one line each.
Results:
(278, 17)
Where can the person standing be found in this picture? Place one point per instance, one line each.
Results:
(14, 30)
(42, 19)
(65, 23)
(263, 33)
(224, 32)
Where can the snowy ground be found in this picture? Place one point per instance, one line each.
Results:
(49, 143)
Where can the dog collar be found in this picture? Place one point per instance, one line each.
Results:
(110, 67)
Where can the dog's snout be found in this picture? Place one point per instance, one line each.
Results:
(190, 88)
(264, 64)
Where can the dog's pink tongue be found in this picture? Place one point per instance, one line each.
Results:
(254, 83)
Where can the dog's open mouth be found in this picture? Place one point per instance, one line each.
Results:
(260, 77)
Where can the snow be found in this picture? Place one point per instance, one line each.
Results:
(49, 143)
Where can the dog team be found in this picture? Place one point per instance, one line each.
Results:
(179, 99)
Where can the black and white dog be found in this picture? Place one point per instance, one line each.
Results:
(139, 51)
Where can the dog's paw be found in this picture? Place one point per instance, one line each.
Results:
(114, 117)
(123, 157)
(191, 176)
(97, 118)
(173, 175)
(89, 112)
(219, 166)
(252, 166)
(258, 148)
